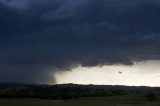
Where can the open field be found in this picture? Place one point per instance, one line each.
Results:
(128, 100)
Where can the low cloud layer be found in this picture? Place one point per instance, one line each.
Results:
(62, 34)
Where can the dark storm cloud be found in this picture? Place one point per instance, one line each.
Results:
(37, 34)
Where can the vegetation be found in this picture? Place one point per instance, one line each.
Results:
(122, 100)
(71, 91)
(150, 96)
(77, 95)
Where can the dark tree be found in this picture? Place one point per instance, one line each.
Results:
(150, 96)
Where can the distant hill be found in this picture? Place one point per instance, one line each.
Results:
(69, 91)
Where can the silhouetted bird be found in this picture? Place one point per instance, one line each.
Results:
(120, 72)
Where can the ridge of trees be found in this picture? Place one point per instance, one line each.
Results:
(70, 91)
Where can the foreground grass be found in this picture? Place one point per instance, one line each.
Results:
(127, 100)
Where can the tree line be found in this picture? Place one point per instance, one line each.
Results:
(70, 91)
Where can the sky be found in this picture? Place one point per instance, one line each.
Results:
(67, 41)
(139, 74)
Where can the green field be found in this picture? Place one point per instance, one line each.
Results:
(128, 100)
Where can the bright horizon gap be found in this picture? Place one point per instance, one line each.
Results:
(140, 74)
(104, 85)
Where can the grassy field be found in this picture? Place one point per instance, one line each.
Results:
(128, 100)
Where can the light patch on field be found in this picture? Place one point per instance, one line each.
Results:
(140, 74)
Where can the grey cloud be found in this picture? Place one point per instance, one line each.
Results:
(66, 33)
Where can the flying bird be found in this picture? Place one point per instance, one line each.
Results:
(120, 72)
